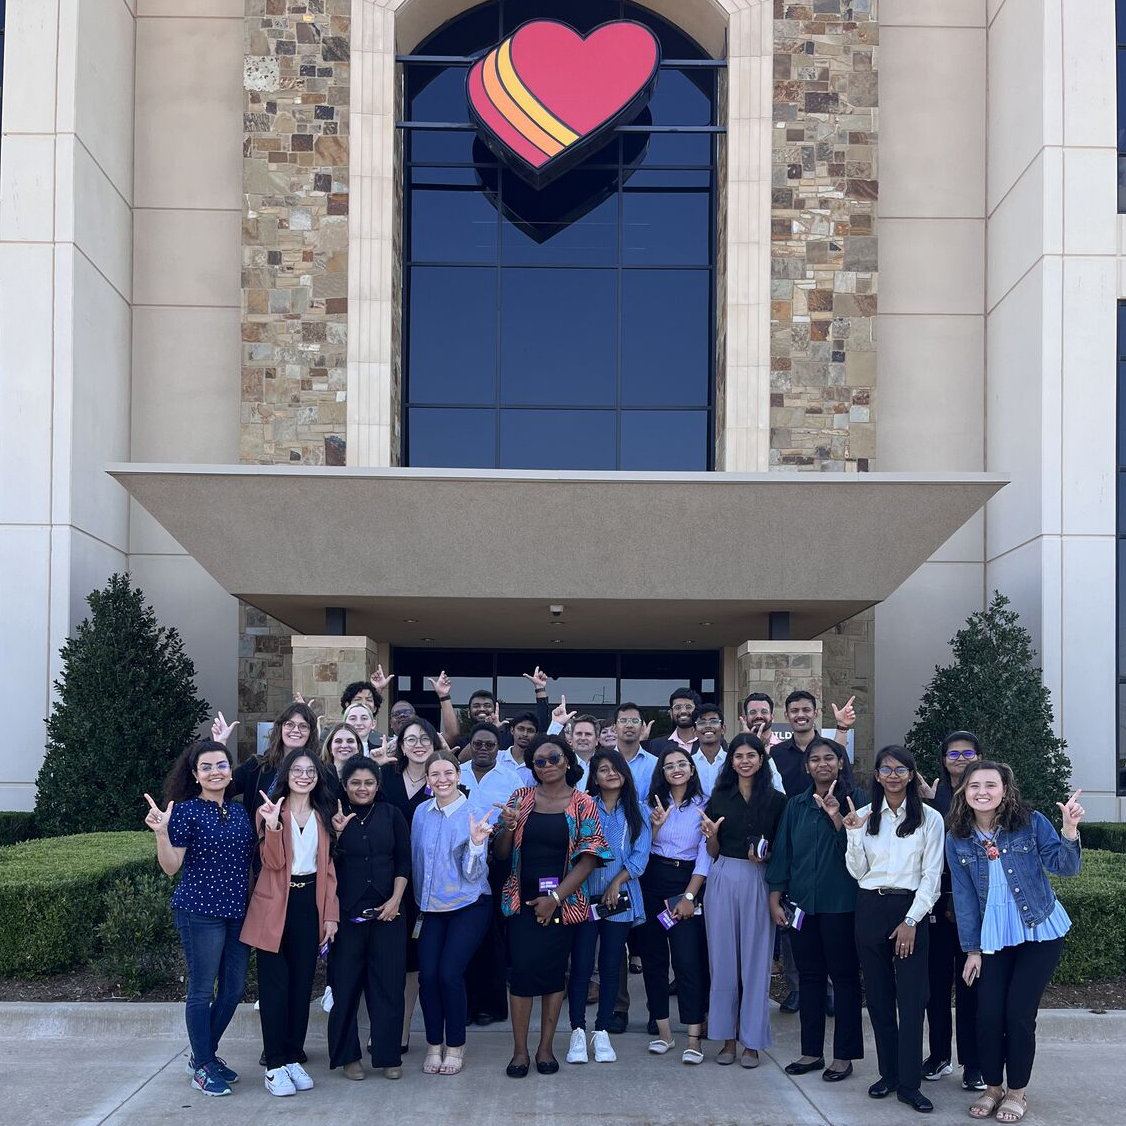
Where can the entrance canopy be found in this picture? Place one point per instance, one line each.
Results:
(636, 560)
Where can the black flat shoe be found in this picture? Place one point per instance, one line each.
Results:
(880, 1089)
(634, 968)
(516, 1070)
(547, 1067)
(617, 1023)
(916, 1100)
(799, 1068)
(792, 1002)
(831, 1076)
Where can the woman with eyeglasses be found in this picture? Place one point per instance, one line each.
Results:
(671, 886)
(208, 839)
(403, 782)
(552, 834)
(369, 956)
(894, 852)
(740, 825)
(293, 912)
(946, 959)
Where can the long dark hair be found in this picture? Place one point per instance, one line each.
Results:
(761, 783)
(574, 771)
(914, 816)
(627, 799)
(956, 737)
(180, 783)
(276, 751)
(400, 762)
(1013, 812)
(321, 798)
(659, 787)
(846, 780)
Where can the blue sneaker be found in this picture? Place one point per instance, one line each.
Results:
(219, 1067)
(208, 1081)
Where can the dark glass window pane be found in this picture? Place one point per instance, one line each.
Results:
(453, 332)
(683, 98)
(596, 663)
(558, 439)
(452, 220)
(666, 338)
(1121, 419)
(665, 440)
(1122, 608)
(1121, 59)
(452, 438)
(443, 146)
(559, 337)
(437, 93)
(674, 43)
(1120, 20)
(678, 148)
(573, 221)
(582, 15)
(1121, 184)
(666, 225)
(466, 34)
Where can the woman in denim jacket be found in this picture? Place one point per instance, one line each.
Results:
(1010, 923)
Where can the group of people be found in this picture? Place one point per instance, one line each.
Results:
(555, 854)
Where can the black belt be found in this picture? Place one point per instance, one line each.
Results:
(670, 861)
(889, 891)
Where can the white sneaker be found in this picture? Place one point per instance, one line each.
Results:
(278, 1082)
(326, 1000)
(576, 1053)
(299, 1077)
(603, 1049)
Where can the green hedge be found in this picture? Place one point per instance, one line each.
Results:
(16, 827)
(53, 897)
(1109, 835)
(1095, 949)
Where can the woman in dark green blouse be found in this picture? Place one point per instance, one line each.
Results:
(807, 870)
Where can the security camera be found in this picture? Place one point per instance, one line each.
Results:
(556, 610)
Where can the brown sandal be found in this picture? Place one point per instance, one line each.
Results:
(984, 1106)
(1014, 1106)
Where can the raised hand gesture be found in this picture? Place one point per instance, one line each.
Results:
(157, 819)
(441, 683)
(480, 831)
(646, 728)
(559, 713)
(709, 827)
(846, 716)
(1072, 814)
(658, 815)
(298, 698)
(852, 819)
(221, 730)
(829, 803)
(271, 811)
(340, 818)
(928, 790)
(380, 680)
(538, 679)
(507, 816)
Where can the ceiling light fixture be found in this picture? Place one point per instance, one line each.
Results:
(427, 639)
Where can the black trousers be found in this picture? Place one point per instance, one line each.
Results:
(945, 963)
(1012, 982)
(285, 979)
(486, 980)
(824, 948)
(686, 942)
(897, 987)
(368, 959)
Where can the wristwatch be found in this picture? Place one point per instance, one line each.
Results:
(690, 896)
(909, 921)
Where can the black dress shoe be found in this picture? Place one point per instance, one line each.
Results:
(799, 1068)
(618, 1023)
(547, 1067)
(635, 967)
(916, 1100)
(651, 1027)
(881, 1089)
(831, 1076)
(485, 1019)
(516, 1070)
(673, 987)
(792, 1002)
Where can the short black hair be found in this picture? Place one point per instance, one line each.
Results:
(525, 717)
(757, 696)
(482, 694)
(627, 706)
(801, 694)
(708, 709)
(483, 726)
(686, 694)
(358, 762)
(574, 771)
(355, 688)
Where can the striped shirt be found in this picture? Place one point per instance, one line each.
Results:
(450, 871)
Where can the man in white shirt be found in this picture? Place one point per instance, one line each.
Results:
(487, 780)
(711, 748)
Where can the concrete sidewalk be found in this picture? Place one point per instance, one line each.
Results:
(88, 1064)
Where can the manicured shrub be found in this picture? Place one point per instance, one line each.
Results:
(53, 897)
(16, 827)
(1095, 948)
(1109, 835)
(140, 947)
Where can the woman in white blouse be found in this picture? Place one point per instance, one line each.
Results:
(895, 853)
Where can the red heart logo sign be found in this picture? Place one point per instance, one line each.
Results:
(546, 96)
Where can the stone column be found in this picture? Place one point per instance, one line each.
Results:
(323, 665)
(778, 668)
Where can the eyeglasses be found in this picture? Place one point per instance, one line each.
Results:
(676, 766)
(417, 741)
(302, 772)
(218, 768)
(300, 727)
(627, 722)
(714, 721)
(954, 755)
(484, 745)
(549, 760)
(897, 771)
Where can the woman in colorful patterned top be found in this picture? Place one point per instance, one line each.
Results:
(1010, 922)
(552, 833)
(209, 840)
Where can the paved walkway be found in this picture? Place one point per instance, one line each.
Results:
(66, 1065)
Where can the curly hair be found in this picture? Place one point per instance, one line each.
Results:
(180, 783)
(1013, 812)
(574, 771)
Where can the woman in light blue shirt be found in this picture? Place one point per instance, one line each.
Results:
(451, 887)
(613, 888)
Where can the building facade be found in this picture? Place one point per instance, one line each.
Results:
(774, 388)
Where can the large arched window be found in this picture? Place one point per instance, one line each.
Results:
(571, 327)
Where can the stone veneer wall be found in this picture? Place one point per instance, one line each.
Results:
(823, 235)
(779, 668)
(265, 673)
(848, 666)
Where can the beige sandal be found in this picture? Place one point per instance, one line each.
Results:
(1014, 1106)
(451, 1065)
(984, 1106)
(432, 1064)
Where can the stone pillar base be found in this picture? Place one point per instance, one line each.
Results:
(776, 668)
(324, 665)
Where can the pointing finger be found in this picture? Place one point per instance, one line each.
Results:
(851, 807)
(832, 787)
(1074, 796)
(851, 700)
(148, 798)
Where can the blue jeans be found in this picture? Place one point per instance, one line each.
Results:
(611, 939)
(213, 954)
(446, 943)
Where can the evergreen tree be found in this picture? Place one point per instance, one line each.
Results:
(126, 707)
(995, 689)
